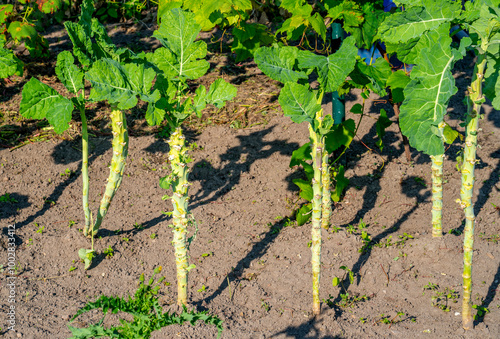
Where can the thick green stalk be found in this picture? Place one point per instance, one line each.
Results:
(317, 152)
(120, 151)
(327, 199)
(437, 194)
(180, 186)
(466, 191)
(85, 167)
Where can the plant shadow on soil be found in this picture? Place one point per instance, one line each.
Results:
(64, 153)
(409, 187)
(216, 182)
(303, 331)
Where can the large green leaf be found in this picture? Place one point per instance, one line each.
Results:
(9, 64)
(415, 21)
(82, 43)
(341, 135)
(248, 37)
(121, 84)
(427, 95)
(491, 87)
(42, 101)
(182, 55)
(298, 103)
(487, 23)
(67, 72)
(278, 62)
(334, 69)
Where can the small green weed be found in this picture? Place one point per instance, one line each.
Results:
(109, 252)
(147, 314)
(481, 312)
(385, 319)
(40, 228)
(7, 198)
(265, 305)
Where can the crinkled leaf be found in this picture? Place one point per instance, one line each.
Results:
(42, 101)
(121, 84)
(334, 69)
(298, 102)
(405, 50)
(220, 92)
(156, 112)
(278, 62)
(248, 37)
(67, 72)
(182, 55)
(377, 74)
(415, 21)
(9, 64)
(487, 25)
(365, 33)
(82, 43)
(427, 95)
(318, 24)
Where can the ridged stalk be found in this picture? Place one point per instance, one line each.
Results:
(120, 151)
(437, 194)
(317, 152)
(85, 167)
(466, 191)
(180, 186)
(327, 199)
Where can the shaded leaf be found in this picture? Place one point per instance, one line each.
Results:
(9, 64)
(278, 63)
(42, 101)
(67, 72)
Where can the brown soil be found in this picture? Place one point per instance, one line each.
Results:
(257, 274)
